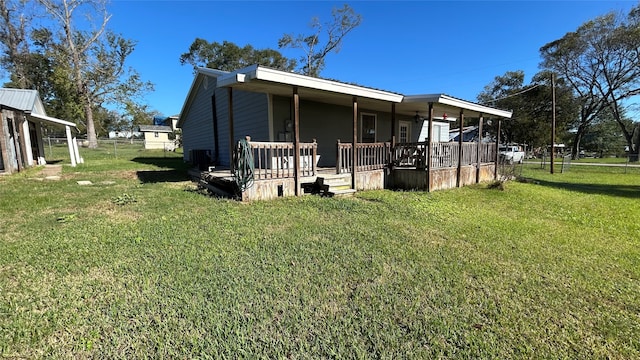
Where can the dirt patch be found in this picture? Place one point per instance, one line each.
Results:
(51, 170)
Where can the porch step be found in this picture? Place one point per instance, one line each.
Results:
(340, 193)
(334, 185)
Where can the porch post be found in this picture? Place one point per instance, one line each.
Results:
(354, 143)
(393, 125)
(76, 153)
(16, 142)
(231, 134)
(41, 156)
(26, 141)
(4, 156)
(296, 140)
(497, 156)
(460, 142)
(429, 147)
(72, 153)
(479, 148)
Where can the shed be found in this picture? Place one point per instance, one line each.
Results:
(22, 116)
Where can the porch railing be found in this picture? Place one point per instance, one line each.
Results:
(275, 160)
(443, 154)
(370, 156)
(410, 155)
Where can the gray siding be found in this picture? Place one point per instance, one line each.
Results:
(327, 123)
(250, 117)
(197, 129)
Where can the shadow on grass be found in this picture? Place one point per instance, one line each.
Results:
(627, 191)
(176, 169)
(175, 163)
(159, 176)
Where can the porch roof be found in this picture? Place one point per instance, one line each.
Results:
(444, 103)
(51, 120)
(258, 78)
(262, 79)
(29, 103)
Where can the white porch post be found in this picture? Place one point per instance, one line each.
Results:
(26, 140)
(76, 152)
(70, 143)
(41, 157)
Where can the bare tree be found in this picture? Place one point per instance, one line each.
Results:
(13, 38)
(344, 20)
(77, 46)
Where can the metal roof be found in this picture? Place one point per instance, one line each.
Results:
(28, 101)
(156, 128)
(19, 99)
(258, 78)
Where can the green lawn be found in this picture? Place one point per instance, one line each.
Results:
(141, 265)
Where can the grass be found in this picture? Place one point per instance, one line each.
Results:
(140, 265)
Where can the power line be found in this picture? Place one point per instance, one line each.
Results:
(518, 93)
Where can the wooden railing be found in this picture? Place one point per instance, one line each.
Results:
(487, 153)
(275, 160)
(410, 155)
(443, 154)
(370, 156)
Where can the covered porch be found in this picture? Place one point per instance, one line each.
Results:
(21, 142)
(286, 168)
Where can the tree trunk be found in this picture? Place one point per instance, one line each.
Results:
(91, 129)
(575, 148)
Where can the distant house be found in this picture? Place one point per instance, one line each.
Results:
(22, 116)
(171, 121)
(157, 137)
(125, 134)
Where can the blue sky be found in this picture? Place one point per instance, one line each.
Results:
(411, 47)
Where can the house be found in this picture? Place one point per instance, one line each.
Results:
(157, 137)
(22, 117)
(123, 134)
(300, 127)
(171, 121)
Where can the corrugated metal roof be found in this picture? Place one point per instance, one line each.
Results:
(19, 99)
(158, 128)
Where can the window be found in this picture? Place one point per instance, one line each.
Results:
(405, 132)
(156, 134)
(368, 126)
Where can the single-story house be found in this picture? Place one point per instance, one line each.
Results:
(299, 126)
(22, 116)
(157, 137)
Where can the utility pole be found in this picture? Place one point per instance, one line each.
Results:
(553, 119)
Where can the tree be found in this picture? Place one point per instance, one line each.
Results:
(229, 56)
(13, 39)
(531, 105)
(605, 136)
(96, 58)
(600, 61)
(344, 20)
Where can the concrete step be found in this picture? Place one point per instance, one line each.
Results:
(341, 193)
(339, 186)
